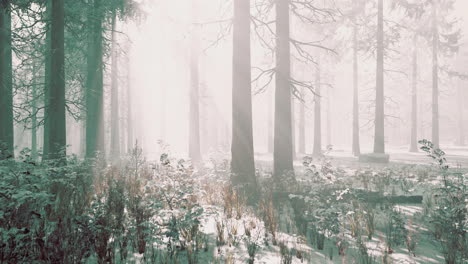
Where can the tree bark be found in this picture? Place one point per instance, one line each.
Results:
(6, 84)
(435, 77)
(34, 116)
(414, 99)
(379, 137)
(194, 122)
(47, 64)
(94, 95)
(317, 150)
(356, 149)
(56, 109)
(283, 147)
(115, 128)
(242, 149)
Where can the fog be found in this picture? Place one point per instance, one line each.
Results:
(159, 65)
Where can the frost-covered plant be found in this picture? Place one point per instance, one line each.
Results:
(450, 214)
(268, 215)
(286, 253)
(252, 237)
(395, 230)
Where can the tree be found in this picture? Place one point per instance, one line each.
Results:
(56, 104)
(356, 147)
(6, 86)
(115, 117)
(379, 135)
(283, 147)
(414, 98)
(242, 150)
(94, 85)
(194, 121)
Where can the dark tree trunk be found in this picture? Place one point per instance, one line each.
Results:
(435, 78)
(47, 64)
(317, 150)
(414, 99)
(115, 128)
(56, 108)
(6, 85)
(242, 149)
(283, 146)
(379, 137)
(94, 95)
(356, 145)
(194, 122)
(302, 143)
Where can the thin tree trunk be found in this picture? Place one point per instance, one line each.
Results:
(302, 142)
(6, 87)
(115, 128)
(379, 137)
(435, 78)
(317, 150)
(283, 146)
(414, 99)
(34, 116)
(94, 96)
(356, 145)
(130, 140)
(194, 122)
(56, 108)
(242, 148)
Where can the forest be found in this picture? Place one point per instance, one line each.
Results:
(234, 131)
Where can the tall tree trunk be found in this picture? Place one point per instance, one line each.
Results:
(56, 108)
(302, 143)
(283, 146)
(317, 150)
(414, 98)
(47, 64)
(379, 137)
(194, 122)
(435, 77)
(94, 95)
(461, 125)
(6, 84)
(242, 148)
(115, 128)
(34, 116)
(356, 149)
